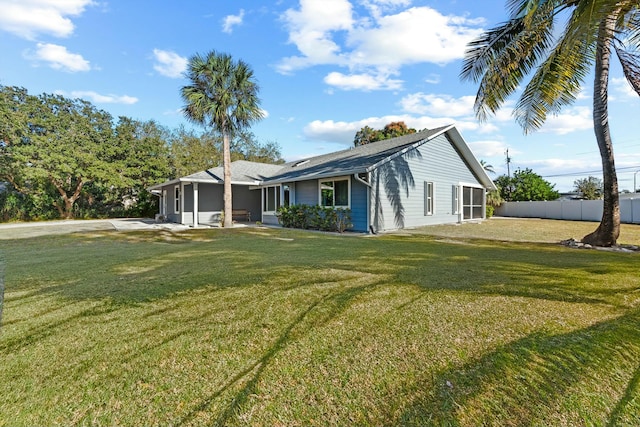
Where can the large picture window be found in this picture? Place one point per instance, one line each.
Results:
(335, 193)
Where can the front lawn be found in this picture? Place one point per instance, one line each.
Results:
(272, 327)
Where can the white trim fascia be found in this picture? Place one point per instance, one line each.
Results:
(470, 184)
(334, 174)
(164, 184)
(472, 161)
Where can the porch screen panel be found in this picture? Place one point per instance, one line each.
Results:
(478, 193)
(472, 203)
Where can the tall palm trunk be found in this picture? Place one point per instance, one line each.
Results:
(608, 231)
(226, 165)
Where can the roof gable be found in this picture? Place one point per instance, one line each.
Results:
(352, 160)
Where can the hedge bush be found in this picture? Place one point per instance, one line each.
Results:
(314, 217)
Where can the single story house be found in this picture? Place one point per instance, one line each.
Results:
(429, 177)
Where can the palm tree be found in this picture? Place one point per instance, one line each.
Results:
(503, 56)
(223, 95)
(487, 167)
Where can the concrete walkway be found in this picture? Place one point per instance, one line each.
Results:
(24, 230)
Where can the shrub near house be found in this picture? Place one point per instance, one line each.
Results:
(314, 217)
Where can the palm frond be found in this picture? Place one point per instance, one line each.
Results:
(630, 65)
(223, 93)
(503, 56)
(555, 84)
(559, 78)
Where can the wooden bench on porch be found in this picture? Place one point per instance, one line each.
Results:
(240, 215)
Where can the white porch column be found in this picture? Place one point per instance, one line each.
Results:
(195, 204)
(181, 202)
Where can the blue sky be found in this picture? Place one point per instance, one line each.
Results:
(326, 68)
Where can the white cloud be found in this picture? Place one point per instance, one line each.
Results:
(97, 98)
(378, 7)
(573, 119)
(422, 103)
(311, 29)
(623, 88)
(169, 64)
(364, 82)
(343, 132)
(28, 18)
(326, 33)
(433, 79)
(59, 58)
(488, 148)
(230, 21)
(416, 35)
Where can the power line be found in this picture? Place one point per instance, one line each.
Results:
(587, 172)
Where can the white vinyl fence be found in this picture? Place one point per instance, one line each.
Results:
(574, 210)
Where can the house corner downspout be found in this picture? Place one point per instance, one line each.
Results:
(368, 185)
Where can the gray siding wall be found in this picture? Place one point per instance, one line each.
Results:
(188, 198)
(269, 219)
(436, 161)
(210, 197)
(243, 198)
(307, 192)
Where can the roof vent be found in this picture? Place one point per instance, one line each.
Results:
(303, 162)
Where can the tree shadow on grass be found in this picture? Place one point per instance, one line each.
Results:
(322, 310)
(504, 269)
(518, 383)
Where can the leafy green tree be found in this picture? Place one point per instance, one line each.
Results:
(245, 146)
(525, 185)
(56, 143)
(589, 188)
(367, 135)
(528, 42)
(191, 153)
(143, 160)
(395, 129)
(223, 95)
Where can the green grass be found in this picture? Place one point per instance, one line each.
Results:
(528, 230)
(280, 327)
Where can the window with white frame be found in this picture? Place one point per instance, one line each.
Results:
(176, 193)
(429, 202)
(455, 197)
(335, 193)
(271, 198)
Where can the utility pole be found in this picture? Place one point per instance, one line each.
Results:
(510, 185)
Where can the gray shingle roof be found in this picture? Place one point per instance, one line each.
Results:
(346, 162)
(349, 161)
(241, 171)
